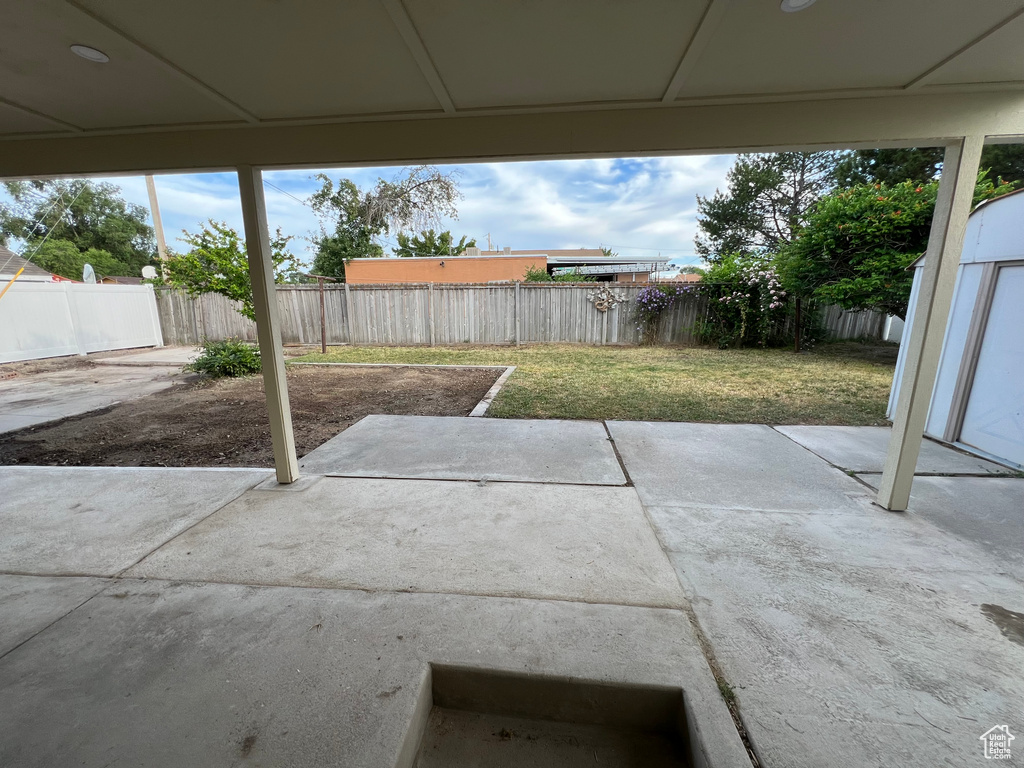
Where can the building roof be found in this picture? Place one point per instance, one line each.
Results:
(122, 279)
(14, 262)
(557, 253)
(683, 277)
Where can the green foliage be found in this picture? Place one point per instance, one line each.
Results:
(430, 243)
(230, 357)
(540, 275)
(351, 220)
(89, 216)
(216, 263)
(746, 303)
(649, 305)
(62, 258)
(344, 233)
(857, 243)
(766, 202)
(893, 166)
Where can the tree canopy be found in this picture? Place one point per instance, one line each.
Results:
(216, 262)
(344, 233)
(53, 216)
(351, 221)
(857, 243)
(430, 243)
(766, 202)
(892, 166)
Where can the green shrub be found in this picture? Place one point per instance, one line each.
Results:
(231, 357)
(540, 275)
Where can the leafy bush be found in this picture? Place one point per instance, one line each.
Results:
(230, 357)
(651, 302)
(856, 244)
(540, 275)
(746, 303)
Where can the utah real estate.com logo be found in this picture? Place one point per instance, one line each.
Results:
(996, 741)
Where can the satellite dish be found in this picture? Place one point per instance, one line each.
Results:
(88, 274)
(149, 272)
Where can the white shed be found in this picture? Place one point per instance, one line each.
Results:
(978, 399)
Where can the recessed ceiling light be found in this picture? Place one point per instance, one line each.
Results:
(90, 54)
(792, 6)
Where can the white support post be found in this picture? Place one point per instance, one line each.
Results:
(945, 243)
(268, 325)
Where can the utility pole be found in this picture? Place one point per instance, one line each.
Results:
(489, 242)
(158, 224)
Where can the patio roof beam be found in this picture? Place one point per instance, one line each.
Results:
(268, 324)
(945, 243)
(921, 119)
(57, 122)
(929, 75)
(420, 54)
(706, 29)
(168, 65)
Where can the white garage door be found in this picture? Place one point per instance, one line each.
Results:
(994, 421)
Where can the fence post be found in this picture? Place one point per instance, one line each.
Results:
(348, 314)
(796, 334)
(515, 310)
(430, 310)
(604, 327)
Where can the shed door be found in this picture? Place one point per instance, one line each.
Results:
(994, 421)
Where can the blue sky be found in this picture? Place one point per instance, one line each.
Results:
(638, 206)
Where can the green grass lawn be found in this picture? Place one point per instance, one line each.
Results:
(845, 383)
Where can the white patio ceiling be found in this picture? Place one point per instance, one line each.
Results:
(185, 77)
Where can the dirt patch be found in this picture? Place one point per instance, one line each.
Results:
(224, 423)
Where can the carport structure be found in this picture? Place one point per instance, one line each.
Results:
(244, 86)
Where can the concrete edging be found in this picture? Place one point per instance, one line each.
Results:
(483, 405)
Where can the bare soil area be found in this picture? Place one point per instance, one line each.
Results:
(224, 423)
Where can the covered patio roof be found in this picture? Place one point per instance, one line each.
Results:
(382, 81)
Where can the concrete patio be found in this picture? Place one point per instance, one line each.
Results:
(29, 400)
(206, 617)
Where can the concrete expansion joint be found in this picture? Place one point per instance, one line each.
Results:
(120, 578)
(618, 456)
(481, 481)
(60, 618)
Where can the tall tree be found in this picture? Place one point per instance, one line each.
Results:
(216, 263)
(420, 198)
(89, 215)
(61, 257)
(344, 233)
(767, 201)
(430, 243)
(892, 166)
(351, 220)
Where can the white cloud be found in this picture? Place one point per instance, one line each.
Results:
(637, 206)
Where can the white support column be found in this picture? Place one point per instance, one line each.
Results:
(945, 243)
(268, 325)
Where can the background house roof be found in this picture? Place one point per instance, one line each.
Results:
(10, 263)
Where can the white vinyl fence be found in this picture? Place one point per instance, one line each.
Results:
(51, 319)
(499, 313)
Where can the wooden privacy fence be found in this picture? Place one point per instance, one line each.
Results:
(500, 313)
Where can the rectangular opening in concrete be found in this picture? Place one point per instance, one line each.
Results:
(480, 717)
